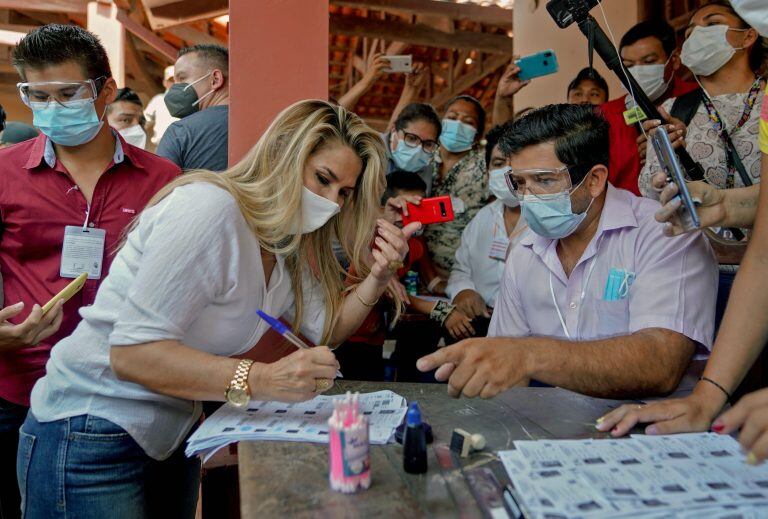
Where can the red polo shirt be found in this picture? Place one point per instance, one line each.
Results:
(36, 202)
(624, 167)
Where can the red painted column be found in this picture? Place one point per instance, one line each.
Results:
(278, 54)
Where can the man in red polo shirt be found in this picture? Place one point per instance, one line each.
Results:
(65, 199)
(649, 51)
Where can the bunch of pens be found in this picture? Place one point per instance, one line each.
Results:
(350, 462)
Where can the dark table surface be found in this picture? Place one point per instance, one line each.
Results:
(291, 479)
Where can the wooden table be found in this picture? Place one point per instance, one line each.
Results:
(281, 479)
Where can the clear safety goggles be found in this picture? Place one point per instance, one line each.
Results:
(40, 94)
(542, 182)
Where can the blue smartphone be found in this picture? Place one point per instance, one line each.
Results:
(536, 65)
(669, 164)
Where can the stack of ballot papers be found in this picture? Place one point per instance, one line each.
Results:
(680, 476)
(302, 422)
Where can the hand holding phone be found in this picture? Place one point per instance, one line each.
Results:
(66, 294)
(399, 64)
(438, 209)
(689, 217)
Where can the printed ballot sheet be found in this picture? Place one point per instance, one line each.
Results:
(300, 422)
(686, 475)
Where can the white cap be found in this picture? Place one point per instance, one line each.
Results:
(168, 73)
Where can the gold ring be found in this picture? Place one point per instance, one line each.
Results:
(323, 384)
(394, 266)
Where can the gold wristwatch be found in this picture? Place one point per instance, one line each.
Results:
(238, 393)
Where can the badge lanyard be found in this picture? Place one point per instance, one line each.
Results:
(585, 285)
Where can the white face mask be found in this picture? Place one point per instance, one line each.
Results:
(707, 49)
(497, 184)
(651, 79)
(316, 211)
(134, 135)
(754, 12)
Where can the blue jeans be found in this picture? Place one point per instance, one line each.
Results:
(11, 417)
(88, 467)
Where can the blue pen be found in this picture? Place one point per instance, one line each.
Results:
(283, 330)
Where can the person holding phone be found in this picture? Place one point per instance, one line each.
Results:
(124, 390)
(75, 187)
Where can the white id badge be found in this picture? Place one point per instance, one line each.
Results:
(458, 205)
(499, 248)
(83, 251)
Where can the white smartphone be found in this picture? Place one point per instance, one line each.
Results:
(399, 63)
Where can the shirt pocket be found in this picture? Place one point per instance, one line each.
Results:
(606, 319)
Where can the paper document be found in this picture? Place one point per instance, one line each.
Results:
(301, 422)
(685, 475)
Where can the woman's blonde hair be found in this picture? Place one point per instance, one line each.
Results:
(267, 185)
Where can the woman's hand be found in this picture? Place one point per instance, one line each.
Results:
(510, 83)
(675, 128)
(690, 414)
(397, 207)
(711, 204)
(417, 78)
(293, 378)
(750, 416)
(35, 328)
(377, 65)
(390, 250)
(459, 325)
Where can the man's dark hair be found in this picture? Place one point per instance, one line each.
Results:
(579, 133)
(215, 56)
(492, 139)
(2, 118)
(129, 96)
(759, 53)
(589, 74)
(658, 29)
(478, 108)
(401, 180)
(418, 112)
(54, 44)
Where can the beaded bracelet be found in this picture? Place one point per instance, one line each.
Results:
(441, 311)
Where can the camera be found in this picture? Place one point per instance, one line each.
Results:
(565, 12)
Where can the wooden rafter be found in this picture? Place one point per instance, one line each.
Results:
(490, 66)
(149, 37)
(193, 36)
(490, 15)
(53, 6)
(419, 34)
(162, 13)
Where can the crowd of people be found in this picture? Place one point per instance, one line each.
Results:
(566, 264)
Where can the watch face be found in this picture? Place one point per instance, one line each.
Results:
(238, 397)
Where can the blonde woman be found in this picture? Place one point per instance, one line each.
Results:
(105, 431)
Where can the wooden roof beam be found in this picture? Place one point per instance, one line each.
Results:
(52, 6)
(491, 15)
(150, 38)
(193, 36)
(183, 11)
(488, 67)
(419, 34)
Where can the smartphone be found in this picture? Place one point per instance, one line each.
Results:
(73, 288)
(399, 64)
(431, 210)
(536, 65)
(670, 165)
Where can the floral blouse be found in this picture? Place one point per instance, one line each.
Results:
(705, 146)
(467, 185)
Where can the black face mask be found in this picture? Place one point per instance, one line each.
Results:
(181, 99)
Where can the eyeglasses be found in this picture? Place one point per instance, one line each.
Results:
(412, 140)
(542, 182)
(41, 93)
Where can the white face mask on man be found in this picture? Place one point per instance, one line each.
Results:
(707, 49)
(651, 79)
(316, 211)
(134, 135)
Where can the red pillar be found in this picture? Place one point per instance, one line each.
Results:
(278, 54)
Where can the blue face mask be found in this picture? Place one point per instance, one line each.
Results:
(74, 124)
(551, 216)
(410, 159)
(457, 136)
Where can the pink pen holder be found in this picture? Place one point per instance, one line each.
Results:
(349, 460)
